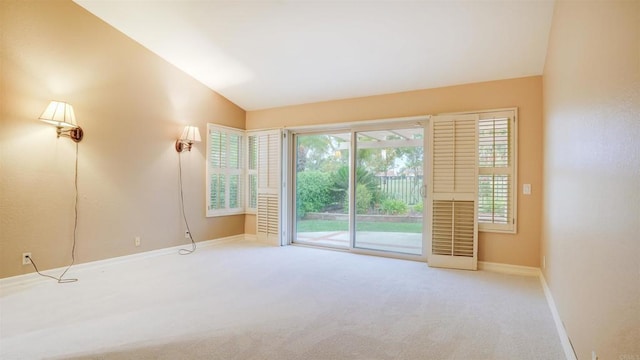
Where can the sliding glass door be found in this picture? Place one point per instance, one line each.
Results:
(389, 183)
(322, 189)
(360, 190)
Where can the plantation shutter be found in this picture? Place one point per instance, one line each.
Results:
(216, 163)
(496, 166)
(252, 173)
(268, 199)
(453, 194)
(225, 171)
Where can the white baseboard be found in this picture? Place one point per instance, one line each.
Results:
(251, 237)
(508, 268)
(30, 277)
(562, 332)
(255, 238)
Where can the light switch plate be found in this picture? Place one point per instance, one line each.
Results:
(526, 189)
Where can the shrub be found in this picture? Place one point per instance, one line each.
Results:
(363, 177)
(418, 207)
(313, 191)
(393, 207)
(364, 199)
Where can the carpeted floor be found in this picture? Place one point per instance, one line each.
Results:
(242, 300)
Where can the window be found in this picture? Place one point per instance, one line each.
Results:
(496, 167)
(225, 171)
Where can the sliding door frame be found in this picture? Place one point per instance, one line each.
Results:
(289, 172)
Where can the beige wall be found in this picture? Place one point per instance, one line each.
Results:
(525, 93)
(591, 236)
(132, 106)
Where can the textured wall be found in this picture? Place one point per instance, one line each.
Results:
(525, 93)
(132, 106)
(591, 237)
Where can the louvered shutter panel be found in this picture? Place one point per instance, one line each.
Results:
(496, 164)
(453, 196)
(268, 209)
(267, 218)
(215, 201)
(225, 171)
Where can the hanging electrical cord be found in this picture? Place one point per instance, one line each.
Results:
(184, 215)
(61, 279)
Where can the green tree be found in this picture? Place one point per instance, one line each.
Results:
(318, 152)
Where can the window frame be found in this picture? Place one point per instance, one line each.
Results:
(240, 171)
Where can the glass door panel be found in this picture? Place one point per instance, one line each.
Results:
(322, 189)
(389, 182)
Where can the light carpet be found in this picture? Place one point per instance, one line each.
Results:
(243, 300)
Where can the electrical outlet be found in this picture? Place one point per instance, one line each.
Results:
(526, 189)
(137, 241)
(26, 258)
(186, 234)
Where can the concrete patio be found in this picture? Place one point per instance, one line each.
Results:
(406, 243)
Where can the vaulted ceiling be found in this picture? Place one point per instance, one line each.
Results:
(263, 54)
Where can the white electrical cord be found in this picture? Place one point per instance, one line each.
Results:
(61, 279)
(184, 216)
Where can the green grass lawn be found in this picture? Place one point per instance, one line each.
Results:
(338, 225)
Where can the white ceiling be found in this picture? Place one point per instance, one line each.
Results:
(264, 54)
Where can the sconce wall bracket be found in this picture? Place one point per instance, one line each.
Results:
(182, 146)
(76, 134)
(190, 134)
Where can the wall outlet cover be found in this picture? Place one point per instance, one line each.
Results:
(26, 258)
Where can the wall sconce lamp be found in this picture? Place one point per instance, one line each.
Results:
(190, 134)
(61, 115)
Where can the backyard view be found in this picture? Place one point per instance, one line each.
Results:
(388, 182)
